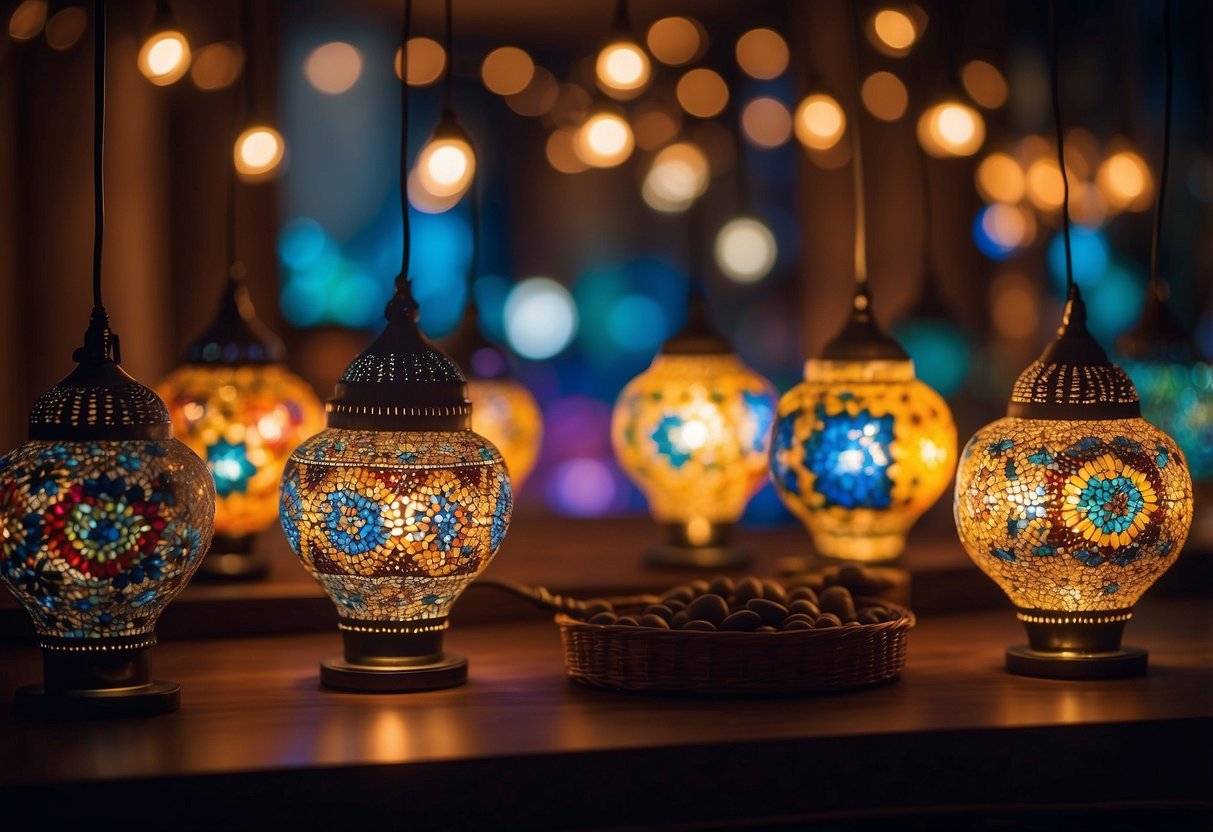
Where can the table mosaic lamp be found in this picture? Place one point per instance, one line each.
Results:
(105, 518)
(503, 409)
(692, 433)
(236, 405)
(395, 508)
(1074, 505)
(861, 447)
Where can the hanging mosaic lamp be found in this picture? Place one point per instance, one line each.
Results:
(105, 518)
(397, 505)
(236, 405)
(1073, 504)
(692, 432)
(503, 409)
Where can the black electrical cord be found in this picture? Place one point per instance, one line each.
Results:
(1054, 75)
(861, 257)
(1159, 203)
(449, 90)
(98, 148)
(402, 282)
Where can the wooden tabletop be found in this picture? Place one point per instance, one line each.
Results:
(255, 734)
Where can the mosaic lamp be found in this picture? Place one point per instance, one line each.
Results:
(692, 432)
(1074, 505)
(395, 508)
(503, 409)
(861, 447)
(103, 518)
(236, 405)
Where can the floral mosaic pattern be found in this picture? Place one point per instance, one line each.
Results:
(506, 414)
(97, 537)
(860, 451)
(692, 432)
(1073, 515)
(395, 525)
(244, 421)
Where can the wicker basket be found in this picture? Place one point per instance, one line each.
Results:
(689, 661)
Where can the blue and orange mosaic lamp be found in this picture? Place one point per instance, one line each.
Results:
(235, 404)
(104, 516)
(692, 432)
(395, 508)
(1073, 503)
(862, 447)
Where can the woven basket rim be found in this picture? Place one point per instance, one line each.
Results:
(906, 619)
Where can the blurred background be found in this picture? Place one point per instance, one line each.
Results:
(733, 164)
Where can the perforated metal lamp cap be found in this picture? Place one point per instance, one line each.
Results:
(1073, 380)
(235, 335)
(401, 382)
(861, 338)
(98, 399)
(1158, 336)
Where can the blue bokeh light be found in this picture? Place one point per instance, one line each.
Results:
(1089, 254)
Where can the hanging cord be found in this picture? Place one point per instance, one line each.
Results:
(474, 261)
(1054, 77)
(1157, 287)
(402, 300)
(448, 105)
(249, 73)
(861, 258)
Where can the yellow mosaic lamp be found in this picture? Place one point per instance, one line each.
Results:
(862, 447)
(237, 406)
(503, 410)
(692, 432)
(395, 508)
(1074, 505)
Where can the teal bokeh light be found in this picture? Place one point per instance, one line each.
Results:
(940, 350)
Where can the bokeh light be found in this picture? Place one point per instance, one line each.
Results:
(766, 122)
(622, 68)
(1089, 255)
(820, 122)
(427, 62)
(258, 152)
(604, 141)
(1000, 229)
(507, 70)
(1125, 181)
(678, 174)
(1045, 187)
(892, 32)
(762, 54)
(27, 20)
(582, 487)
(676, 40)
(217, 65)
(940, 350)
(1000, 178)
(562, 152)
(333, 68)
(951, 128)
(702, 93)
(164, 57)
(885, 96)
(63, 31)
(540, 318)
(745, 250)
(984, 84)
(446, 166)
(1014, 305)
(654, 125)
(538, 97)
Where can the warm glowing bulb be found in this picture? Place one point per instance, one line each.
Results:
(745, 250)
(678, 174)
(1124, 180)
(622, 67)
(446, 166)
(951, 129)
(258, 152)
(894, 30)
(605, 140)
(164, 57)
(861, 449)
(819, 122)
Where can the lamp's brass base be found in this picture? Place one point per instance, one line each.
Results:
(446, 671)
(233, 559)
(1112, 664)
(698, 557)
(151, 699)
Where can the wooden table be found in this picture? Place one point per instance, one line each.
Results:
(258, 743)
